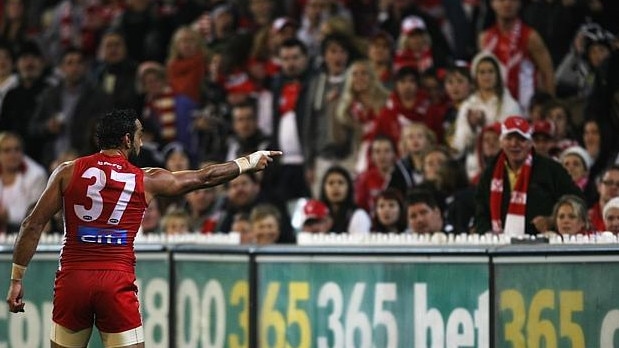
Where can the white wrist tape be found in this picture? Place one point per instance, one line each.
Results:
(17, 272)
(243, 164)
(254, 158)
(250, 162)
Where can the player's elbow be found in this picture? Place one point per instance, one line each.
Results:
(32, 226)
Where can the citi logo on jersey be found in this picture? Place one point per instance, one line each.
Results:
(102, 236)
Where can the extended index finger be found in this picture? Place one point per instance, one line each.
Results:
(276, 153)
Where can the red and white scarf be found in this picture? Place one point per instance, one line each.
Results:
(515, 219)
(420, 61)
(289, 97)
(163, 107)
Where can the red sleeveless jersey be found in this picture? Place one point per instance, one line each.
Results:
(103, 208)
(511, 48)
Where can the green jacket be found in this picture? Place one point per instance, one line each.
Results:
(549, 181)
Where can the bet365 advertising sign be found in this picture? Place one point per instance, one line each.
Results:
(350, 300)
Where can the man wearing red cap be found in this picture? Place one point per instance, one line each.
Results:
(316, 217)
(517, 191)
(543, 137)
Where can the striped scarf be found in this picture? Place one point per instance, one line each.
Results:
(515, 219)
(163, 108)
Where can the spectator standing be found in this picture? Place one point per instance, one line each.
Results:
(380, 53)
(329, 140)
(15, 29)
(246, 136)
(260, 13)
(265, 60)
(20, 103)
(517, 177)
(312, 16)
(66, 116)
(74, 24)
(168, 114)
(115, 72)
(287, 180)
(521, 50)
(414, 47)
(363, 96)
(601, 104)
(139, 25)
(391, 17)
(186, 63)
(576, 73)
(556, 21)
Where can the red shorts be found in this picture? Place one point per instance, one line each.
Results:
(107, 298)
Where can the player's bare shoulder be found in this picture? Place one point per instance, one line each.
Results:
(157, 180)
(62, 174)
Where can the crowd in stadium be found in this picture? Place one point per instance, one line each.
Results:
(394, 116)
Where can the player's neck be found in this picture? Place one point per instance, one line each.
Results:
(114, 152)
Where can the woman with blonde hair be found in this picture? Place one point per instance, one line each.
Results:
(186, 63)
(362, 98)
(415, 140)
(569, 216)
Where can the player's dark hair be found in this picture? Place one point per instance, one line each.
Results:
(113, 126)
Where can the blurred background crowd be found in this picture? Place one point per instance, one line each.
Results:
(389, 112)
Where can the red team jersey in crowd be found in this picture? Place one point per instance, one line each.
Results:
(511, 48)
(103, 205)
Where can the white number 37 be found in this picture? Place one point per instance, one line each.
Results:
(94, 193)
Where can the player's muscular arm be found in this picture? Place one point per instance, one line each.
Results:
(163, 182)
(48, 205)
(159, 181)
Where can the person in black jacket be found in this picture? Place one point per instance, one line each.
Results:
(518, 190)
(20, 102)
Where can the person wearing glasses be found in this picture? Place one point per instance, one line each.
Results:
(608, 188)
